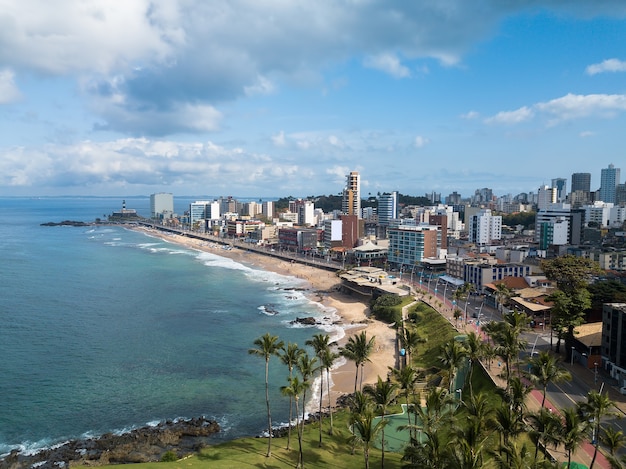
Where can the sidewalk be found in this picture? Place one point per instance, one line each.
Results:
(584, 454)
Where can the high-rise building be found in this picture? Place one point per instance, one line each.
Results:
(609, 180)
(545, 196)
(351, 204)
(560, 185)
(581, 182)
(387, 208)
(559, 225)
(161, 205)
(484, 227)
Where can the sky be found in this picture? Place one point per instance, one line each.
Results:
(271, 98)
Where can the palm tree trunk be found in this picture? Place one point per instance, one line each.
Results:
(595, 453)
(330, 409)
(299, 438)
(269, 415)
(543, 400)
(321, 396)
(356, 377)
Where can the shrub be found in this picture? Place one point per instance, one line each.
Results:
(169, 456)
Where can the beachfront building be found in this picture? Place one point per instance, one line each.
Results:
(409, 245)
(299, 239)
(481, 273)
(161, 205)
(267, 209)
(242, 228)
(202, 213)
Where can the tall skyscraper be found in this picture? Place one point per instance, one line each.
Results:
(609, 180)
(351, 204)
(560, 185)
(581, 182)
(387, 207)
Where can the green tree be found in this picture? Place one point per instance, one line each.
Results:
(358, 349)
(597, 407)
(613, 439)
(364, 432)
(320, 344)
(452, 355)
(306, 367)
(383, 394)
(406, 378)
(545, 427)
(266, 346)
(290, 358)
(328, 359)
(573, 431)
(475, 351)
(543, 369)
(410, 340)
(294, 389)
(572, 275)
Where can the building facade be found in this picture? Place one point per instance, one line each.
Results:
(162, 205)
(484, 228)
(614, 340)
(409, 245)
(609, 180)
(351, 203)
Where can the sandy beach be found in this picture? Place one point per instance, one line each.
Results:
(323, 288)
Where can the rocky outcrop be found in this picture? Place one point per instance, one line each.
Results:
(146, 444)
(66, 223)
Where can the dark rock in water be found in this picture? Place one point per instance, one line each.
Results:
(310, 321)
(66, 223)
(146, 444)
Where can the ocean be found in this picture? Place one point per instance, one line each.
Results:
(104, 329)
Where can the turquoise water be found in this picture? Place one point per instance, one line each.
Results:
(105, 329)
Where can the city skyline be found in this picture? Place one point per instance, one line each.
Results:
(259, 99)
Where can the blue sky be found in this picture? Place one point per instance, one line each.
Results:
(272, 98)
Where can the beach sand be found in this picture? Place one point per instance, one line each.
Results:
(352, 310)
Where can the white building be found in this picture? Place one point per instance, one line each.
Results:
(484, 228)
(267, 209)
(546, 196)
(161, 205)
(202, 211)
(598, 213)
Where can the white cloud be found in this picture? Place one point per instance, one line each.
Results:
(586, 133)
(279, 140)
(262, 86)
(420, 141)
(511, 117)
(387, 63)
(609, 65)
(8, 90)
(470, 115)
(575, 106)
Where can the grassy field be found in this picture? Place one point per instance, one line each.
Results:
(250, 452)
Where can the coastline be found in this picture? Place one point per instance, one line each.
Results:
(324, 290)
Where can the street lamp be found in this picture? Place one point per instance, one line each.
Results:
(595, 373)
(572, 357)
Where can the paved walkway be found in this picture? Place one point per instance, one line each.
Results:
(584, 454)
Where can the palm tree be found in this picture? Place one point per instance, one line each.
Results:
(475, 350)
(513, 455)
(508, 422)
(573, 431)
(306, 367)
(595, 409)
(544, 369)
(406, 378)
(328, 360)
(452, 356)
(364, 432)
(503, 293)
(320, 344)
(613, 439)
(266, 346)
(383, 394)
(290, 357)
(293, 390)
(358, 349)
(545, 427)
(410, 339)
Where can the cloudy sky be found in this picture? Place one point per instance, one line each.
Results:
(276, 97)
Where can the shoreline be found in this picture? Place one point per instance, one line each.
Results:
(323, 285)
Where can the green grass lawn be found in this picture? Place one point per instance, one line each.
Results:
(250, 452)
